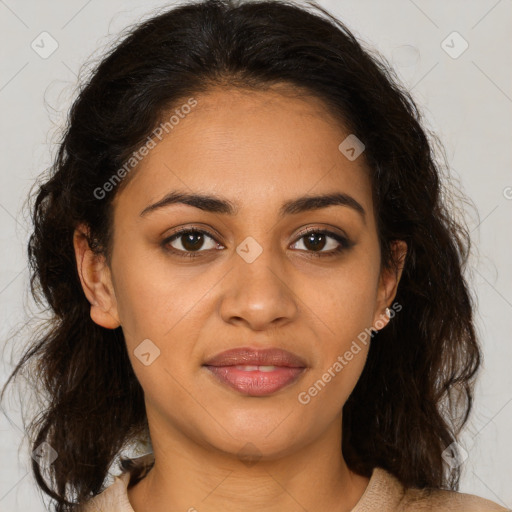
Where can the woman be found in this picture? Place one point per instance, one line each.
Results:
(251, 268)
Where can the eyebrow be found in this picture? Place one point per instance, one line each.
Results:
(214, 204)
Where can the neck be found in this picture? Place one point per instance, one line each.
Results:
(190, 477)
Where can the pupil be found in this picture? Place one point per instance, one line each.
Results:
(311, 244)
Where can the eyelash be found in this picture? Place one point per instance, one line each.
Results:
(343, 241)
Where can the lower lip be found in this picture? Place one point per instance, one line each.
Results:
(256, 382)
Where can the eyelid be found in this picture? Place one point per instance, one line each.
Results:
(189, 229)
(342, 239)
(326, 230)
(344, 242)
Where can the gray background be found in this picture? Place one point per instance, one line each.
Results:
(466, 100)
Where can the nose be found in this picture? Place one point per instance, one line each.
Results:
(258, 292)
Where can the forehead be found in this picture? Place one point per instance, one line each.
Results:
(255, 147)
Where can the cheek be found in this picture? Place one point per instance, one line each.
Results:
(342, 359)
(153, 297)
(343, 350)
(342, 306)
(162, 310)
(343, 299)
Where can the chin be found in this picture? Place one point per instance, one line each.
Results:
(256, 442)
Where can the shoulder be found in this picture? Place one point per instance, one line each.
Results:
(432, 500)
(452, 501)
(113, 499)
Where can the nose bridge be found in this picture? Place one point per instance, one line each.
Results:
(258, 290)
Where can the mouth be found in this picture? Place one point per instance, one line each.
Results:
(255, 372)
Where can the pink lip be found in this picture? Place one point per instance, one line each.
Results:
(225, 367)
(256, 357)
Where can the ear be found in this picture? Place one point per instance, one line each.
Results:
(96, 281)
(388, 284)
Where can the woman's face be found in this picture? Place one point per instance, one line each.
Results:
(255, 280)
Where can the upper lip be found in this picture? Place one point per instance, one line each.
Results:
(256, 357)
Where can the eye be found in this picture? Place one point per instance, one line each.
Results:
(189, 241)
(315, 240)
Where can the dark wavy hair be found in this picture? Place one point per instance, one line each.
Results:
(415, 392)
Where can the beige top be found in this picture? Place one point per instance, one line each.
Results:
(384, 493)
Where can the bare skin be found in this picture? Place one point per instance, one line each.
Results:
(257, 150)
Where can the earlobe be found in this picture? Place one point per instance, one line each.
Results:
(96, 281)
